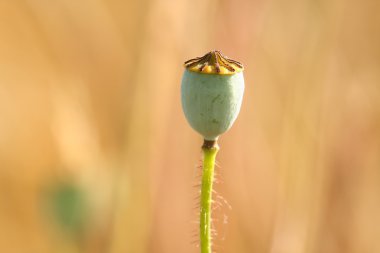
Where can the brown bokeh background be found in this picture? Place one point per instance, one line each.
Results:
(90, 109)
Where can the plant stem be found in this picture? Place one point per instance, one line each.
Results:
(210, 149)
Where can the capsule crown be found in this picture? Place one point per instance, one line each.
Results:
(214, 62)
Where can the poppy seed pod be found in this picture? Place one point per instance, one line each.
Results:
(211, 93)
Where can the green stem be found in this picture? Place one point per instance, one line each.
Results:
(210, 149)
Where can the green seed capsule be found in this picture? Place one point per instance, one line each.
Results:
(212, 92)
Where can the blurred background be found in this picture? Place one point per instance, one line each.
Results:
(96, 155)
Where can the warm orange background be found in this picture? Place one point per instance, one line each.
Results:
(89, 97)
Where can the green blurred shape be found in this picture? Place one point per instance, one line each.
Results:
(68, 208)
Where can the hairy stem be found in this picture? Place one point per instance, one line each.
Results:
(210, 149)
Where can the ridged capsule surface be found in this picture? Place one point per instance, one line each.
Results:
(211, 102)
